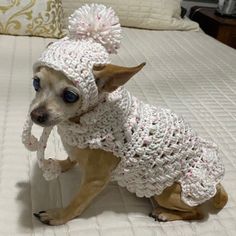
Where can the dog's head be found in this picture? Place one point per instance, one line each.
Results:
(58, 98)
(73, 73)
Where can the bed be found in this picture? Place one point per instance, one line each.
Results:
(189, 72)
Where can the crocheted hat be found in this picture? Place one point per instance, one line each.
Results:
(94, 33)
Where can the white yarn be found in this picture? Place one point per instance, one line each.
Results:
(51, 168)
(75, 57)
(30, 142)
(98, 22)
(156, 147)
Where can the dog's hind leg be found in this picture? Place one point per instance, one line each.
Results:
(162, 214)
(168, 206)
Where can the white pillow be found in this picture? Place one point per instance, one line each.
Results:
(146, 14)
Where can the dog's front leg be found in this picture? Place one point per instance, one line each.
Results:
(87, 193)
(97, 170)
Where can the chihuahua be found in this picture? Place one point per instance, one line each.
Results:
(58, 100)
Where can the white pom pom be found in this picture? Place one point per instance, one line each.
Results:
(98, 22)
(51, 169)
(32, 143)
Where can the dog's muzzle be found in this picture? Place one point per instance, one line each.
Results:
(39, 115)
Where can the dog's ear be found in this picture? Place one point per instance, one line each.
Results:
(109, 77)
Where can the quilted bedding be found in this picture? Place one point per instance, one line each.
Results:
(189, 72)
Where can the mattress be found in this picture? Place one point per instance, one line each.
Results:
(188, 72)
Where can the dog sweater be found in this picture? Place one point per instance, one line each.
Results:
(156, 147)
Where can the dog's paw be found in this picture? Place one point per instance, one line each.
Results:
(51, 217)
(164, 215)
(158, 216)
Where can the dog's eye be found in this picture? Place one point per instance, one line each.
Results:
(36, 83)
(70, 96)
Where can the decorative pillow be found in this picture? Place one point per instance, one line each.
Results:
(146, 14)
(31, 17)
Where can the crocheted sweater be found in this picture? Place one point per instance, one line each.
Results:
(156, 147)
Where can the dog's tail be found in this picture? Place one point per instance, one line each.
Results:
(221, 197)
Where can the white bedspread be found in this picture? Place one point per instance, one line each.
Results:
(188, 72)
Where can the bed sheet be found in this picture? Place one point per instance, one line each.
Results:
(189, 72)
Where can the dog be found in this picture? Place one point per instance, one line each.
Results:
(51, 107)
(111, 134)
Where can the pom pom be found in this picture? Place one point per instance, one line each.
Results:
(98, 22)
(31, 144)
(51, 169)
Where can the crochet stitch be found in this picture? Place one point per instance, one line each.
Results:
(97, 22)
(156, 147)
(94, 33)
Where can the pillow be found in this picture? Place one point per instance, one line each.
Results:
(31, 17)
(146, 14)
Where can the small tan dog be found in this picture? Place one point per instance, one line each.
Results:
(110, 133)
(48, 108)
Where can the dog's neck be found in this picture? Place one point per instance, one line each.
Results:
(101, 98)
(119, 100)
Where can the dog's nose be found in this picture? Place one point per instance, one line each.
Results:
(39, 115)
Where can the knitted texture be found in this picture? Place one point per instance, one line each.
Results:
(94, 32)
(97, 22)
(76, 59)
(156, 147)
(51, 169)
